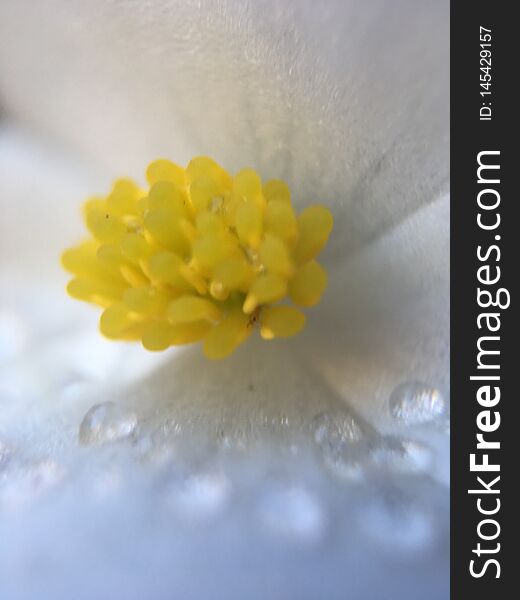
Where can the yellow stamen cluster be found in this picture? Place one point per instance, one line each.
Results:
(200, 255)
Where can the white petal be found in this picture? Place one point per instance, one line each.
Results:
(347, 100)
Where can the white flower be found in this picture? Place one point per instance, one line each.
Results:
(346, 100)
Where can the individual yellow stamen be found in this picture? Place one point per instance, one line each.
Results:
(117, 320)
(167, 195)
(280, 220)
(145, 300)
(123, 198)
(234, 273)
(222, 340)
(205, 167)
(135, 248)
(164, 228)
(202, 192)
(99, 292)
(277, 191)
(275, 256)
(208, 252)
(309, 283)
(133, 276)
(105, 227)
(281, 321)
(165, 170)
(265, 289)
(192, 308)
(110, 255)
(199, 255)
(314, 224)
(209, 224)
(247, 184)
(248, 221)
(160, 335)
(164, 267)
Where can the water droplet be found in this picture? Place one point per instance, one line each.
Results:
(414, 403)
(339, 438)
(333, 432)
(294, 513)
(107, 422)
(199, 495)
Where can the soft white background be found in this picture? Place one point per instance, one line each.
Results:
(347, 101)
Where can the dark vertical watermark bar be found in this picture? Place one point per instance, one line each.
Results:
(485, 252)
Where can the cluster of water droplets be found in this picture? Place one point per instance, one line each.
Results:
(342, 480)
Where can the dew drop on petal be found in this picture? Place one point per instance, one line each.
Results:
(293, 513)
(339, 440)
(107, 422)
(333, 432)
(413, 403)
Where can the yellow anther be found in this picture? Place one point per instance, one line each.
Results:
(233, 273)
(167, 195)
(210, 225)
(315, 224)
(277, 191)
(247, 184)
(202, 192)
(266, 288)
(81, 259)
(165, 267)
(275, 256)
(187, 333)
(249, 226)
(281, 321)
(309, 283)
(99, 292)
(105, 227)
(145, 300)
(198, 255)
(157, 336)
(222, 339)
(123, 198)
(187, 309)
(165, 170)
(280, 220)
(194, 279)
(160, 334)
(110, 255)
(203, 166)
(133, 276)
(189, 230)
(116, 320)
(135, 248)
(164, 228)
(208, 252)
